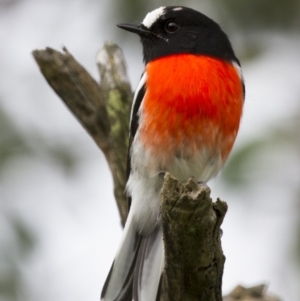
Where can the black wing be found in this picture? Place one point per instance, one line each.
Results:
(134, 121)
(136, 103)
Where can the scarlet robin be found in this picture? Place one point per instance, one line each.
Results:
(184, 120)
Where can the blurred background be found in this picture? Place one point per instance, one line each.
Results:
(59, 226)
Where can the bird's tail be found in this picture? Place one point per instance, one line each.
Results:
(137, 268)
(149, 268)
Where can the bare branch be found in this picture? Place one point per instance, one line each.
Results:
(103, 110)
(255, 293)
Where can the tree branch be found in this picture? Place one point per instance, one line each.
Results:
(255, 293)
(194, 259)
(103, 110)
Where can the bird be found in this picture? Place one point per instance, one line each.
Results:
(184, 119)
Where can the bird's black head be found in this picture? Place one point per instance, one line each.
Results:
(177, 29)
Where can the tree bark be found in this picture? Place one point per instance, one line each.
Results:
(194, 259)
(102, 109)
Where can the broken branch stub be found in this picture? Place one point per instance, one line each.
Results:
(194, 259)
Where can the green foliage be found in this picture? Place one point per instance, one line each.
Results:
(245, 164)
(238, 18)
(15, 143)
(25, 240)
(263, 14)
(15, 254)
(12, 143)
(19, 242)
(246, 15)
(236, 170)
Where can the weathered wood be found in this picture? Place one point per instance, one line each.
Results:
(194, 259)
(102, 109)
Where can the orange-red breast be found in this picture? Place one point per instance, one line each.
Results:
(184, 120)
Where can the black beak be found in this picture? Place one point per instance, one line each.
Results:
(135, 28)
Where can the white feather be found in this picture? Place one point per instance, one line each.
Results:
(122, 263)
(144, 182)
(139, 87)
(152, 269)
(177, 8)
(153, 16)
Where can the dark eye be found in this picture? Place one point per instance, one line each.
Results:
(171, 27)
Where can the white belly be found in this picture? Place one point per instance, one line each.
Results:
(145, 182)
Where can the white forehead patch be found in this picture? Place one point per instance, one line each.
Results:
(153, 16)
(177, 8)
